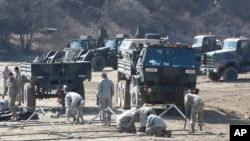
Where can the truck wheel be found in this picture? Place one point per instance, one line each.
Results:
(98, 63)
(125, 98)
(214, 76)
(29, 96)
(230, 74)
(113, 63)
(136, 100)
(119, 94)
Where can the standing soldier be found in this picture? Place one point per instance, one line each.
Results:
(5, 75)
(156, 126)
(13, 89)
(18, 78)
(141, 115)
(196, 104)
(104, 96)
(74, 102)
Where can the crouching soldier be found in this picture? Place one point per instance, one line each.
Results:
(196, 104)
(74, 106)
(141, 116)
(156, 126)
(125, 123)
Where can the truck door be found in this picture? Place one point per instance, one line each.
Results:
(243, 52)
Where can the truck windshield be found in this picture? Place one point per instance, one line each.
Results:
(198, 41)
(157, 57)
(75, 44)
(229, 44)
(183, 58)
(111, 44)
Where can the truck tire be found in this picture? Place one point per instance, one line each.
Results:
(125, 98)
(113, 63)
(213, 76)
(29, 97)
(136, 100)
(98, 63)
(119, 94)
(230, 74)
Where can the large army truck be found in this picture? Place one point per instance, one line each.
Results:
(234, 58)
(42, 80)
(100, 57)
(154, 73)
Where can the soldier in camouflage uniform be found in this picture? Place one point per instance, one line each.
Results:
(74, 103)
(156, 126)
(13, 89)
(125, 123)
(5, 75)
(141, 115)
(18, 78)
(104, 96)
(196, 104)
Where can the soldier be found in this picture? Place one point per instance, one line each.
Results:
(74, 102)
(13, 89)
(101, 36)
(125, 123)
(141, 115)
(104, 96)
(196, 104)
(156, 126)
(18, 78)
(5, 75)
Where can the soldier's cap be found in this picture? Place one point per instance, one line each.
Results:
(10, 73)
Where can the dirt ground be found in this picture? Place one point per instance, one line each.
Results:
(225, 104)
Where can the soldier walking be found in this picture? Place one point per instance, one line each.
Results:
(104, 96)
(196, 104)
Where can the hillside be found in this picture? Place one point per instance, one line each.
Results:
(180, 20)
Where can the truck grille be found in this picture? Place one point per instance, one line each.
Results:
(208, 61)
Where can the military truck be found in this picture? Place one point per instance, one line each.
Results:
(156, 73)
(234, 58)
(42, 80)
(204, 43)
(99, 57)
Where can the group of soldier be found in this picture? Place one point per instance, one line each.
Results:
(150, 123)
(12, 87)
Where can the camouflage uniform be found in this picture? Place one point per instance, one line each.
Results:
(74, 103)
(141, 114)
(124, 122)
(104, 95)
(5, 75)
(13, 88)
(155, 126)
(18, 78)
(196, 104)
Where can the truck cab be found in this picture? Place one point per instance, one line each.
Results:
(204, 43)
(228, 62)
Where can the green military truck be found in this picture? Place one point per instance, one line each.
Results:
(156, 73)
(234, 58)
(42, 80)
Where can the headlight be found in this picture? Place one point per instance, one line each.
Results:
(150, 90)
